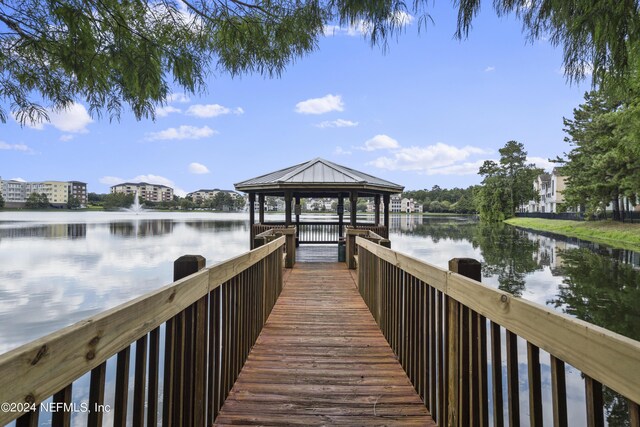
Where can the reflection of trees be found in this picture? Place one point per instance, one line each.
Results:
(47, 231)
(142, 228)
(605, 291)
(600, 290)
(217, 226)
(508, 253)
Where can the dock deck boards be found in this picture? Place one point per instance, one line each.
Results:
(322, 360)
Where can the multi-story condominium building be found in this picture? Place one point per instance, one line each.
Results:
(146, 191)
(549, 187)
(204, 195)
(395, 204)
(410, 206)
(16, 193)
(78, 190)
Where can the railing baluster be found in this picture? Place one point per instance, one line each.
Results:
(62, 418)
(513, 384)
(634, 413)
(29, 419)
(464, 403)
(483, 387)
(434, 346)
(122, 387)
(168, 384)
(593, 396)
(496, 375)
(213, 373)
(535, 385)
(140, 379)
(152, 393)
(200, 361)
(558, 392)
(96, 395)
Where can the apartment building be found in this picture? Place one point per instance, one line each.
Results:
(549, 187)
(204, 195)
(16, 193)
(146, 191)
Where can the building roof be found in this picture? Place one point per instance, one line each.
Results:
(319, 175)
(140, 183)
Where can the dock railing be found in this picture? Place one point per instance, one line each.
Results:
(447, 331)
(191, 339)
(271, 234)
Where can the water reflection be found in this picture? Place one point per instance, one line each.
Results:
(141, 228)
(44, 231)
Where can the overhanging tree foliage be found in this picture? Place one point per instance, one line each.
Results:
(112, 54)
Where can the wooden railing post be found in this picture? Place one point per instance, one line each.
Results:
(461, 366)
(190, 391)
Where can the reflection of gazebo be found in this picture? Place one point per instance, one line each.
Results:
(319, 178)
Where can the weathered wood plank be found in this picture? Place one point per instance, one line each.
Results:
(321, 359)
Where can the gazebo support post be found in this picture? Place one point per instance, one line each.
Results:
(340, 210)
(377, 209)
(386, 199)
(354, 203)
(287, 208)
(252, 217)
(261, 203)
(298, 210)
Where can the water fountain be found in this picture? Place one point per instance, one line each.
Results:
(135, 207)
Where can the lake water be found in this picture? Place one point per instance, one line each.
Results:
(60, 267)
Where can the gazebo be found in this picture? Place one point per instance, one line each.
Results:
(319, 178)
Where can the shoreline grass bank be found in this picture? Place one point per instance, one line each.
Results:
(612, 233)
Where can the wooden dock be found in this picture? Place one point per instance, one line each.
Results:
(321, 359)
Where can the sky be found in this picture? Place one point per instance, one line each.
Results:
(426, 111)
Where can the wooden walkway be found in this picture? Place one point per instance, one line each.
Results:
(317, 253)
(322, 360)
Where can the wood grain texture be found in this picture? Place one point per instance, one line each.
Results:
(321, 359)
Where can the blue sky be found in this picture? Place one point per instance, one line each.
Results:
(427, 111)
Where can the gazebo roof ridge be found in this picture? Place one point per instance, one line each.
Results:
(318, 174)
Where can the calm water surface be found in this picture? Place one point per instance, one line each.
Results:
(58, 268)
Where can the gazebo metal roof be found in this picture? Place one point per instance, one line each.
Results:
(318, 175)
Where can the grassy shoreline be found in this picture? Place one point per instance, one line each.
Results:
(615, 234)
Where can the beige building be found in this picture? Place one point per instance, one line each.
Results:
(549, 187)
(16, 193)
(146, 191)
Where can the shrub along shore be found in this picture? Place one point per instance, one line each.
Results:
(612, 233)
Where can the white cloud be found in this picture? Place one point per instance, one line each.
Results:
(359, 28)
(380, 142)
(66, 137)
(198, 168)
(322, 105)
(339, 151)
(429, 159)
(489, 69)
(209, 110)
(542, 163)
(178, 97)
(74, 119)
(466, 168)
(182, 132)
(340, 123)
(18, 179)
(166, 110)
(150, 178)
(15, 147)
(238, 110)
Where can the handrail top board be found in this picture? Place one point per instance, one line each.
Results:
(606, 356)
(40, 368)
